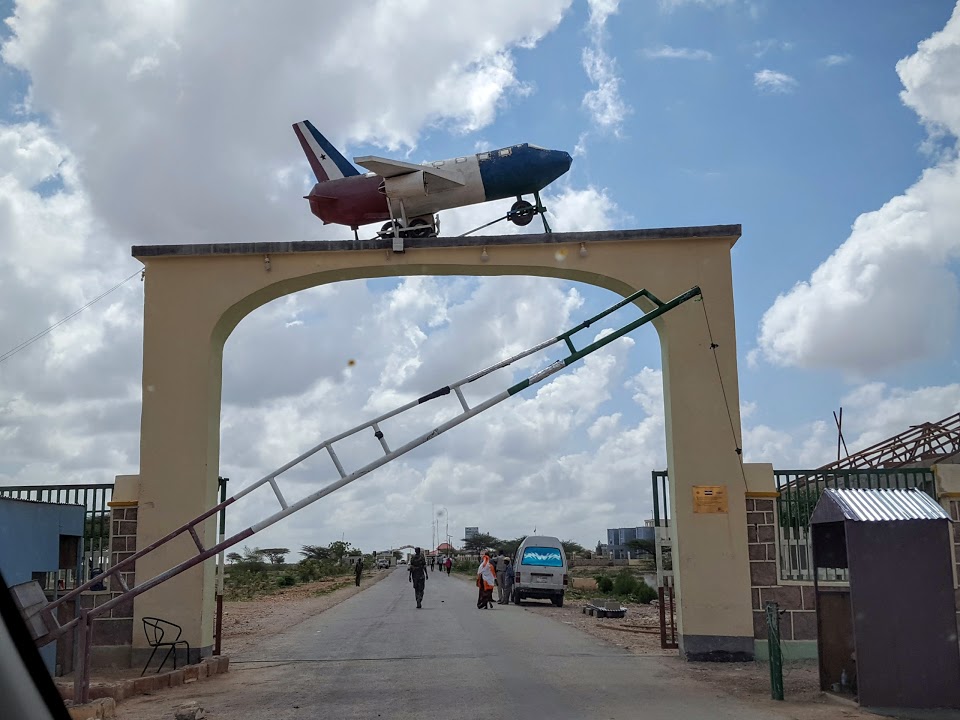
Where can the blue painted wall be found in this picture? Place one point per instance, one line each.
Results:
(30, 542)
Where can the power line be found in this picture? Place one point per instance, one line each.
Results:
(726, 402)
(26, 343)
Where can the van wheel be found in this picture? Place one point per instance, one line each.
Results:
(516, 597)
(558, 601)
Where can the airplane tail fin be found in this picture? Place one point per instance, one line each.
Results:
(324, 158)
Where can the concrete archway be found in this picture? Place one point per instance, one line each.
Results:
(195, 295)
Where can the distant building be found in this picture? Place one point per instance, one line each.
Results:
(618, 539)
(469, 532)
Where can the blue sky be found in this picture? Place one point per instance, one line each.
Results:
(156, 123)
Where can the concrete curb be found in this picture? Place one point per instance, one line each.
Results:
(111, 693)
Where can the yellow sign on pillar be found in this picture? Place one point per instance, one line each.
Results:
(710, 498)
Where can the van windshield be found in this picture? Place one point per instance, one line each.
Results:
(544, 556)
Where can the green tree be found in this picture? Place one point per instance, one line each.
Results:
(276, 555)
(234, 557)
(570, 547)
(642, 546)
(338, 549)
(315, 552)
(510, 547)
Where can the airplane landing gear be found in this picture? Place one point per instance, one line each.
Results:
(419, 227)
(521, 213)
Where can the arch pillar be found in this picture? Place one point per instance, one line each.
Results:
(196, 294)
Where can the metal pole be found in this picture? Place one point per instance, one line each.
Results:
(221, 567)
(81, 673)
(773, 643)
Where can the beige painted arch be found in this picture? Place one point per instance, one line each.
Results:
(196, 295)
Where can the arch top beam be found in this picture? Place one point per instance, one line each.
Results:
(729, 233)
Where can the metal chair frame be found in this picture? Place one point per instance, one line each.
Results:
(154, 625)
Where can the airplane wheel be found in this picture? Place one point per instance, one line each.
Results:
(419, 228)
(387, 229)
(521, 213)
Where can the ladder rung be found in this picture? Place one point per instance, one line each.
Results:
(276, 490)
(196, 538)
(463, 401)
(377, 433)
(336, 461)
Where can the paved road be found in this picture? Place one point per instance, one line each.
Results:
(376, 656)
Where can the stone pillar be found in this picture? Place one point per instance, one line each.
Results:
(113, 633)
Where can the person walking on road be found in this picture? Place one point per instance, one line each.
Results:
(486, 581)
(449, 563)
(358, 569)
(417, 574)
(507, 584)
(499, 566)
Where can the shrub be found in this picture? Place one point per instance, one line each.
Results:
(311, 570)
(624, 583)
(644, 593)
(604, 583)
(286, 581)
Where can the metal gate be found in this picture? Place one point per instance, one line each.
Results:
(799, 491)
(664, 557)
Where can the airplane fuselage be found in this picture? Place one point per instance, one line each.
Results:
(492, 175)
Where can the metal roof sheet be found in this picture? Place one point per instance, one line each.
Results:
(881, 505)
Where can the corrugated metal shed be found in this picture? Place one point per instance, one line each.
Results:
(882, 505)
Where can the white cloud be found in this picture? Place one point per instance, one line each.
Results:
(600, 10)
(666, 52)
(762, 47)
(834, 60)
(607, 108)
(773, 81)
(889, 294)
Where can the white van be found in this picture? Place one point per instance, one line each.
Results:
(540, 570)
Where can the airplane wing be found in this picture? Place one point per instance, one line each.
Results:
(387, 168)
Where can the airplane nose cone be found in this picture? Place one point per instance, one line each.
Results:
(558, 162)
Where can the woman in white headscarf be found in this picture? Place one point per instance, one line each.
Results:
(486, 581)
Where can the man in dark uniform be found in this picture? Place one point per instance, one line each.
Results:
(358, 569)
(417, 574)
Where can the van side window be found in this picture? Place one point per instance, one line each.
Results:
(542, 556)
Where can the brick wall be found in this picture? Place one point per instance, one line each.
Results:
(799, 622)
(116, 627)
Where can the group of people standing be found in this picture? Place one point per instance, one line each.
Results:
(496, 572)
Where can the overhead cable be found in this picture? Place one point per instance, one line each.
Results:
(26, 343)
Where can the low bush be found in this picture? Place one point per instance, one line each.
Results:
(644, 593)
(604, 583)
(286, 581)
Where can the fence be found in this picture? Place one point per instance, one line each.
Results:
(96, 525)
(799, 491)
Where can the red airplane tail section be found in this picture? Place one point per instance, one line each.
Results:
(324, 158)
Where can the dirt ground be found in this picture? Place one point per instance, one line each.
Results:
(803, 699)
